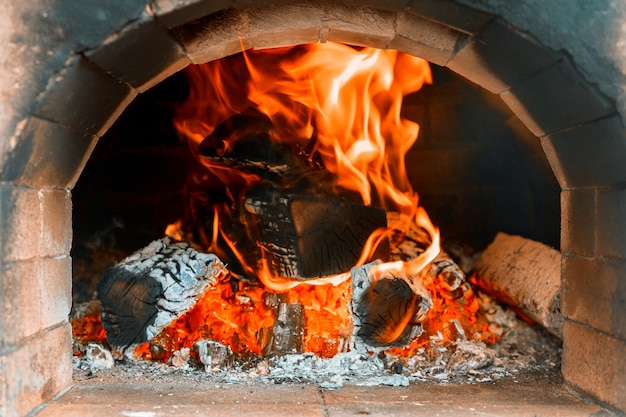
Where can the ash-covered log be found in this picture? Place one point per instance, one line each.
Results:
(306, 236)
(387, 308)
(154, 286)
(525, 275)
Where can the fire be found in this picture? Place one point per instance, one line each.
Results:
(338, 108)
(340, 104)
(341, 107)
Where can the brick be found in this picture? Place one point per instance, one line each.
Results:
(431, 41)
(20, 308)
(141, 55)
(578, 222)
(362, 26)
(451, 14)
(215, 36)
(611, 223)
(48, 155)
(555, 99)
(55, 283)
(35, 372)
(172, 13)
(20, 228)
(38, 296)
(56, 225)
(594, 294)
(85, 97)
(595, 363)
(284, 26)
(588, 156)
(500, 57)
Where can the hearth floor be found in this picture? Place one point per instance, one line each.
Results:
(510, 397)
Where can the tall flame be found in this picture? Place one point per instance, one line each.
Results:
(339, 102)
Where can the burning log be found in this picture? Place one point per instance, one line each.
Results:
(306, 236)
(148, 290)
(525, 275)
(287, 333)
(387, 309)
(244, 142)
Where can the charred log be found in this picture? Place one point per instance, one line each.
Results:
(244, 142)
(525, 275)
(287, 333)
(148, 290)
(306, 236)
(387, 309)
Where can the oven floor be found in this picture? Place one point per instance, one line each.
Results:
(511, 397)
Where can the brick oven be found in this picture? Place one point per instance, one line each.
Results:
(72, 70)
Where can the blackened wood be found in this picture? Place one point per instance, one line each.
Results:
(306, 236)
(413, 242)
(387, 308)
(148, 290)
(245, 142)
(287, 333)
(525, 275)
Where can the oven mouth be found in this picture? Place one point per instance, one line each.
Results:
(543, 88)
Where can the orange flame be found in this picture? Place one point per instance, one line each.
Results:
(342, 103)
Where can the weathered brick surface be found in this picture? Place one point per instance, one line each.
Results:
(173, 13)
(85, 98)
(56, 224)
(36, 295)
(20, 228)
(37, 162)
(594, 293)
(595, 362)
(214, 37)
(611, 223)
(500, 57)
(35, 372)
(590, 155)
(423, 38)
(21, 302)
(176, 12)
(451, 14)
(555, 99)
(360, 26)
(284, 25)
(141, 55)
(55, 283)
(35, 223)
(578, 222)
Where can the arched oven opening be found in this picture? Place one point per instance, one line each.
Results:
(507, 151)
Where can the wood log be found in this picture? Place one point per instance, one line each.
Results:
(386, 309)
(145, 292)
(525, 275)
(306, 236)
(287, 333)
(244, 142)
